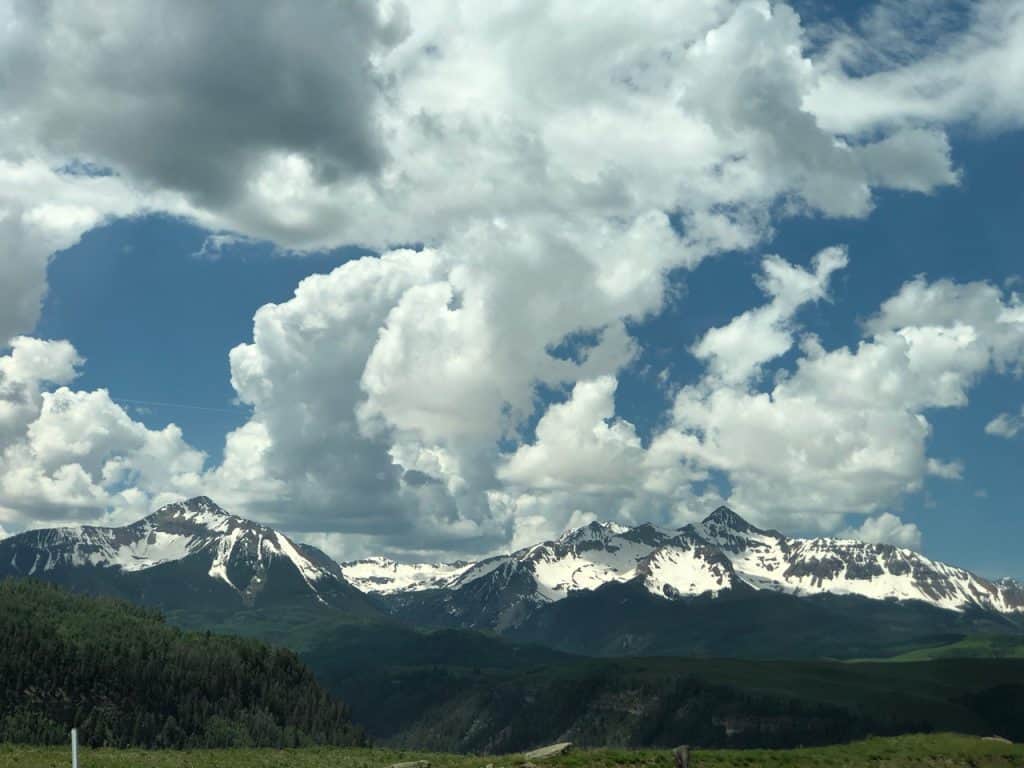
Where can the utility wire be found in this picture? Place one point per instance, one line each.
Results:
(176, 405)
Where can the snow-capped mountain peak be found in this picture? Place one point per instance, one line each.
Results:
(198, 511)
(595, 531)
(724, 518)
(722, 552)
(197, 545)
(237, 553)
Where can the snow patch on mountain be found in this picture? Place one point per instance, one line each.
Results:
(675, 572)
(585, 558)
(388, 577)
(158, 547)
(721, 552)
(223, 549)
(769, 560)
(479, 570)
(197, 527)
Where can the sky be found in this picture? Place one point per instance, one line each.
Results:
(436, 280)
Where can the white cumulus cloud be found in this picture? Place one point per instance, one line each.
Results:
(846, 431)
(554, 166)
(886, 528)
(1006, 425)
(73, 456)
(736, 351)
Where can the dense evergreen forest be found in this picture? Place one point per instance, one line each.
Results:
(663, 702)
(125, 678)
(463, 691)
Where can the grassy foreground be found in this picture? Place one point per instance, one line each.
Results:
(938, 750)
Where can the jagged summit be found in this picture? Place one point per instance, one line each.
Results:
(722, 552)
(598, 529)
(726, 518)
(194, 551)
(199, 510)
(196, 539)
(197, 505)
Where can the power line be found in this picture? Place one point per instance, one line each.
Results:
(176, 405)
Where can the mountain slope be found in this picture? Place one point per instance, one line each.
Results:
(410, 700)
(125, 678)
(721, 587)
(464, 690)
(769, 560)
(387, 577)
(188, 554)
(627, 620)
(722, 555)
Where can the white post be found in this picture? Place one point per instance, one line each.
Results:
(74, 748)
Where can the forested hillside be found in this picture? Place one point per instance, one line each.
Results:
(125, 678)
(460, 691)
(662, 702)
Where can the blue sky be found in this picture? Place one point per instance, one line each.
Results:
(591, 322)
(156, 321)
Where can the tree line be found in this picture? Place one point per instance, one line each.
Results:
(124, 678)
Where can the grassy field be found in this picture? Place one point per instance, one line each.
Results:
(974, 647)
(930, 751)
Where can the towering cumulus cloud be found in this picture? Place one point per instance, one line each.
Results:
(553, 165)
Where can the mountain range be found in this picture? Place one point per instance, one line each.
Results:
(721, 586)
(721, 554)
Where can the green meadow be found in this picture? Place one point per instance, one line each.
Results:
(917, 751)
(973, 647)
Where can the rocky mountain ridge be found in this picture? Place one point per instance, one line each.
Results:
(721, 553)
(194, 551)
(194, 546)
